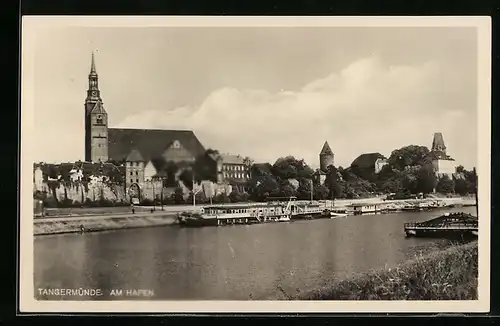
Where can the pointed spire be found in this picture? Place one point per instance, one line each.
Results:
(326, 149)
(438, 143)
(93, 71)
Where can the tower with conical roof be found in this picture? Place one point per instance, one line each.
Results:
(326, 157)
(96, 120)
(438, 146)
(442, 163)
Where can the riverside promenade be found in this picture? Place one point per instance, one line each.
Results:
(173, 209)
(89, 219)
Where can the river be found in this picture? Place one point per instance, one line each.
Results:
(227, 263)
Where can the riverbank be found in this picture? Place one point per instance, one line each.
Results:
(62, 225)
(339, 203)
(448, 274)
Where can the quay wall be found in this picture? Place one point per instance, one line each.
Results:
(104, 223)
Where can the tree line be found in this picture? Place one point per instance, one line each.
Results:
(408, 171)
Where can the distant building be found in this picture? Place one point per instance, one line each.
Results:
(38, 179)
(234, 170)
(368, 164)
(442, 163)
(379, 164)
(326, 159)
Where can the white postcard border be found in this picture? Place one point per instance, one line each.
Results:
(33, 24)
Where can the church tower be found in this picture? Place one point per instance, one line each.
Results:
(96, 121)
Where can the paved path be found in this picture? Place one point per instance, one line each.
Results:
(101, 217)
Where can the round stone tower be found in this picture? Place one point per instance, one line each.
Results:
(326, 157)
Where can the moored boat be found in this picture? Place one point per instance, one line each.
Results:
(337, 215)
(447, 225)
(218, 215)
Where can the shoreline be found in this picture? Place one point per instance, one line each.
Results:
(174, 209)
(446, 274)
(105, 223)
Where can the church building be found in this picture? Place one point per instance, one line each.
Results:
(146, 153)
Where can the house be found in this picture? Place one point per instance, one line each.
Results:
(379, 164)
(234, 170)
(366, 165)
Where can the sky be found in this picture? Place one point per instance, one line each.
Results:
(264, 92)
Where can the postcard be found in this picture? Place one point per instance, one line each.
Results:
(182, 164)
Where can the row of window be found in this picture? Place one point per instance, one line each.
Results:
(136, 173)
(234, 167)
(236, 175)
(132, 180)
(246, 210)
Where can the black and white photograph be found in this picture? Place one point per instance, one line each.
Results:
(255, 164)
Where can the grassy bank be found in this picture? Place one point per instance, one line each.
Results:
(449, 274)
(104, 224)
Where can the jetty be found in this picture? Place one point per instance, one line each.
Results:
(448, 224)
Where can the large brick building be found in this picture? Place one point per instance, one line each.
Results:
(145, 153)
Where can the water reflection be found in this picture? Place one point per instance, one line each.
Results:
(234, 262)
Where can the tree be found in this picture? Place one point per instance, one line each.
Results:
(291, 168)
(332, 182)
(321, 192)
(287, 191)
(461, 186)
(409, 156)
(205, 166)
(221, 198)
(235, 196)
(178, 196)
(460, 169)
(304, 190)
(445, 185)
(187, 178)
(426, 180)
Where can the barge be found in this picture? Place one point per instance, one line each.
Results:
(447, 225)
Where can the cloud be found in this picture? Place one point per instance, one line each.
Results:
(369, 106)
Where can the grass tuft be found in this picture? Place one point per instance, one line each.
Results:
(449, 274)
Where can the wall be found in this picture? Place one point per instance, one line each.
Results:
(98, 188)
(149, 171)
(76, 191)
(325, 161)
(445, 167)
(379, 164)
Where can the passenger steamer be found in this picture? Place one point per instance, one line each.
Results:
(218, 215)
(276, 210)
